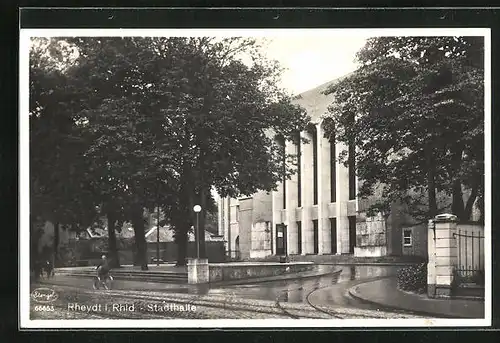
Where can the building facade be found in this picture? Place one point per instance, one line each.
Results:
(314, 213)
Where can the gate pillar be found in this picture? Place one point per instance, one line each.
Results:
(442, 250)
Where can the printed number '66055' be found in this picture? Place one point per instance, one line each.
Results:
(44, 308)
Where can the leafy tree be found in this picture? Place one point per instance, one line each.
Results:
(166, 119)
(218, 114)
(58, 182)
(130, 166)
(414, 110)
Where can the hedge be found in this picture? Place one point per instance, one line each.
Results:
(413, 278)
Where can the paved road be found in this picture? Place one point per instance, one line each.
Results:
(321, 297)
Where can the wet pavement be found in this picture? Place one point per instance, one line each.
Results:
(323, 290)
(318, 291)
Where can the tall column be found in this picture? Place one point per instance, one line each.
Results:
(307, 195)
(291, 206)
(442, 255)
(324, 233)
(342, 195)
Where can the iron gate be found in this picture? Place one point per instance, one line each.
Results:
(470, 257)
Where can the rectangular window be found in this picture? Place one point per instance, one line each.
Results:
(299, 238)
(237, 214)
(315, 237)
(407, 238)
(315, 166)
(299, 171)
(352, 171)
(284, 177)
(333, 231)
(352, 233)
(333, 172)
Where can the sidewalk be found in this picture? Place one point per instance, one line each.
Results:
(385, 294)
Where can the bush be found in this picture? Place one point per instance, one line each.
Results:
(413, 278)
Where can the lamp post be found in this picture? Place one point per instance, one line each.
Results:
(197, 210)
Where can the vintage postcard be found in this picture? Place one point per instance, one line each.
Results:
(224, 177)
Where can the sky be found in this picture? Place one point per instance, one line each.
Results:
(313, 60)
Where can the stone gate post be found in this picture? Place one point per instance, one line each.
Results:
(442, 251)
(198, 271)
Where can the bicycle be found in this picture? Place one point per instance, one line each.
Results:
(105, 282)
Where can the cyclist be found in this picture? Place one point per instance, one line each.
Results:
(103, 268)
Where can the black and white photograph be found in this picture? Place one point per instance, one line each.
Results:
(180, 178)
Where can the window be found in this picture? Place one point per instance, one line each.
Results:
(407, 239)
(333, 228)
(315, 166)
(333, 172)
(299, 238)
(299, 171)
(352, 171)
(315, 236)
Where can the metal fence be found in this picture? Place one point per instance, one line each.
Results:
(470, 259)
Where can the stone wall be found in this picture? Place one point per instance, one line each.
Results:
(245, 225)
(370, 236)
(261, 239)
(254, 221)
(238, 271)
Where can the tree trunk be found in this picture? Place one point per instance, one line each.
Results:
(470, 204)
(181, 237)
(139, 237)
(55, 261)
(202, 221)
(113, 249)
(431, 184)
(457, 206)
(35, 255)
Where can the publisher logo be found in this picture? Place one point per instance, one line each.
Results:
(44, 295)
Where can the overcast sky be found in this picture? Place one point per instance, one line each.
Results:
(311, 61)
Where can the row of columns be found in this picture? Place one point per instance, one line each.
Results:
(288, 216)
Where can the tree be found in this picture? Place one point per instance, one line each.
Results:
(129, 164)
(414, 110)
(218, 114)
(167, 119)
(58, 181)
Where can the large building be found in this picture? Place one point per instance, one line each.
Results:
(317, 211)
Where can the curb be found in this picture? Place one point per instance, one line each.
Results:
(356, 295)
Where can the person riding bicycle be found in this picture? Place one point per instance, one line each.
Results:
(103, 268)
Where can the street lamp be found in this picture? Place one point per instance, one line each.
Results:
(197, 210)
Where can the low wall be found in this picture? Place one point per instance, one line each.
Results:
(237, 271)
(370, 251)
